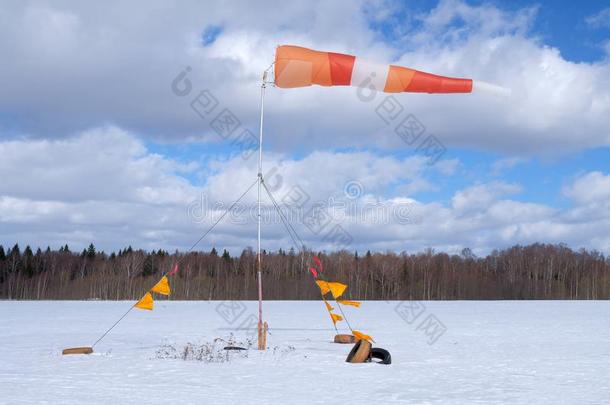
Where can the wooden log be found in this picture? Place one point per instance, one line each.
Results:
(259, 339)
(265, 329)
(262, 335)
(77, 350)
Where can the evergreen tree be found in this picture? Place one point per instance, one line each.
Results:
(2, 253)
(148, 268)
(468, 254)
(91, 251)
(213, 252)
(226, 256)
(27, 256)
(16, 264)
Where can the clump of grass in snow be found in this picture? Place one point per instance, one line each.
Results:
(208, 352)
(213, 352)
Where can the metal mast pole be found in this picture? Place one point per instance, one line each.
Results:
(261, 332)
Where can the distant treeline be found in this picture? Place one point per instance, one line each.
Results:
(537, 271)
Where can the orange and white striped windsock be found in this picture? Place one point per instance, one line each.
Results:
(300, 67)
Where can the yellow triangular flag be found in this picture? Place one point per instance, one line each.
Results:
(336, 289)
(328, 306)
(362, 336)
(162, 287)
(146, 302)
(352, 303)
(336, 318)
(323, 286)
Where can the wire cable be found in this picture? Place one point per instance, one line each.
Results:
(182, 258)
(290, 228)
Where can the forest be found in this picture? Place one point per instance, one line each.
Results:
(538, 271)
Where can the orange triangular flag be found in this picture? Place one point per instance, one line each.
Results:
(328, 306)
(146, 302)
(336, 318)
(352, 303)
(362, 336)
(162, 287)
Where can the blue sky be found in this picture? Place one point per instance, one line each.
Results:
(561, 24)
(114, 157)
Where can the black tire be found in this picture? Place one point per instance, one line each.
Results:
(381, 354)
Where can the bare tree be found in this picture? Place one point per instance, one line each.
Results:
(537, 271)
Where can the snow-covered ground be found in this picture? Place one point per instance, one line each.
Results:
(443, 352)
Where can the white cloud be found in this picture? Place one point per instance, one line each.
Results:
(480, 196)
(448, 167)
(589, 188)
(504, 164)
(105, 163)
(556, 105)
(105, 186)
(600, 19)
(68, 68)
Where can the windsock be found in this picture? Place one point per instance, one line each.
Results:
(300, 67)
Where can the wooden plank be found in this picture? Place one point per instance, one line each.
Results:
(78, 350)
(344, 338)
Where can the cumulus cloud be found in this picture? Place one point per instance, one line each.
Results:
(106, 186)
(589, 188)
(103, 185)
(105, 163)
(71, 67)
(480, 196)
